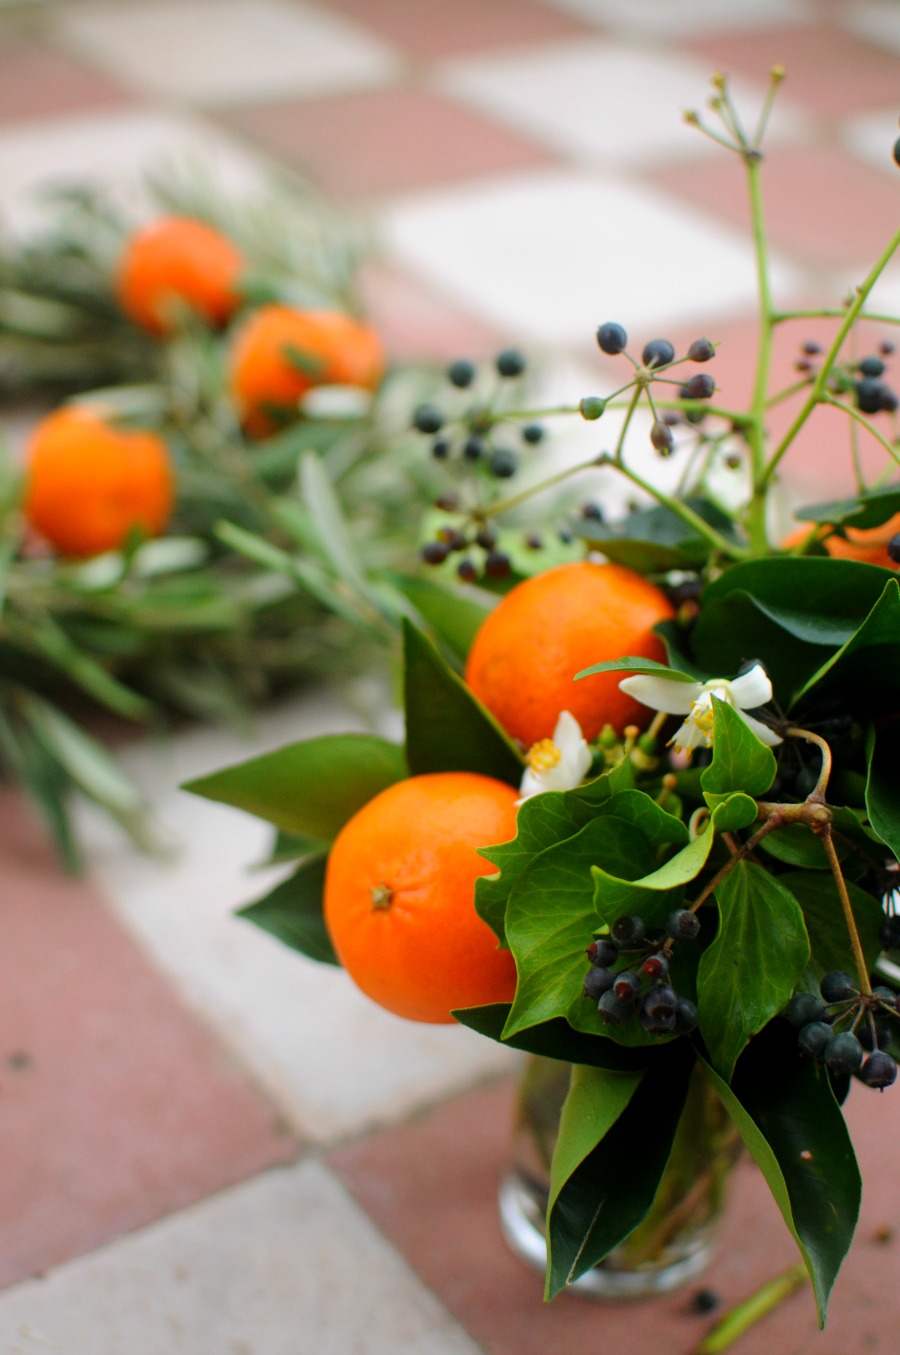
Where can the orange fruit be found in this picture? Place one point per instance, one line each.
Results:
(868, 544)
(400, 895)
(525, 656)
(178, 260)
(88, 484)
(280, 353)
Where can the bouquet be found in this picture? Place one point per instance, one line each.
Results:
(645, 821)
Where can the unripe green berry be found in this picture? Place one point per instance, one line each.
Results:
(591, 407)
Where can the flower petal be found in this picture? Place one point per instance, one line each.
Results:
(753, 688)
(660, 693)
(576, 755)
(762, 732)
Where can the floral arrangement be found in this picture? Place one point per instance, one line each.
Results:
(193, 371)
(645, 820)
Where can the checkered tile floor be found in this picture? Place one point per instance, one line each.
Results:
(210, 1146)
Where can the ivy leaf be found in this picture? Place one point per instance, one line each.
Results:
(869, 662)
(740, 761)
(454, 614)
(653, 540)
(447, 729)
(883, 785)
(752, 967)
(601, 1191)
(871, 509)
(829, 942)
(292, 912)
(788, 1117)
(556, 1039)
(309, 789)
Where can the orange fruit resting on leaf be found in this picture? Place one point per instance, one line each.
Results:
(176, 260)
(868, 544)
(400, 895)
(89, 484)
(280, 353)
(525, 655)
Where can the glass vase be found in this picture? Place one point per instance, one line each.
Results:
(675, 1240)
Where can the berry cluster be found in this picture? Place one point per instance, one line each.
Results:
(475, 442)
(862, 380)
(641, 986)
(469, 542)
(842, 1030)
(658, 356)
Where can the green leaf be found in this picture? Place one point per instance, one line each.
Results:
(864, 511)
(867, 667)
(654, 540)
(740, 761)
(292, 912)
(600, 1193)
(556, 1039)
(551, 919)
(829, 942)
(638, 666)
(328, 522)
(455, 613)
(795, 845)
(311, 788)
(788, 1117)
(883, 785)
(447, 728)
(752, 967)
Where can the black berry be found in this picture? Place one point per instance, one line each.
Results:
(871, 366)
(879, 1070)
(592, 511)
(461, 373)
(683, 925)
(612, 338)
(466, 570)
(627, 986)
(662, 439)
(701, 350)
(868, 395)
(503, 463)
(435, 552)
(686, 1016)
(486, 538)
(598, 981)
(533, 432)
(843, 1053)
(613, 1010)
(657, 353)
(448, 503)
(628, 932)
(815, 1038)
(474, 447)
(897, 151)
(440, 449)
(510, 362)
(803, 1008)
(699, 387)
(602, 952)
(655, 967)
(497, 564)
(428, 419)
(836, 986)
(705, 1301)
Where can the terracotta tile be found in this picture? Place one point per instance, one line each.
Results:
(819, 465)
(418, 326)
(431, 1186)
(433, 30)
(117, 1107)
(38, 82)
(822, 205)
(385, 141)
(829, 70)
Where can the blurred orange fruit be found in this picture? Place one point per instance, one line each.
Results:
(525, 656)
(178, 261)
(400, 890)
(88, 483)
(280, 353)
(868, 544)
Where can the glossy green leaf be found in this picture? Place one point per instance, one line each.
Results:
(447, 728)
(638, 666)
(795, 845)
(883, 785)
(309, 788)
(556, 1039)
(868, 663)
(830, 948)
(740, 762)
(864, 511)
(788, 1117)
(600, 1194)
(654, 540)
(292, 912)
(752, 967)
(455, 613)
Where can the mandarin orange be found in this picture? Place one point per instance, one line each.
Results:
(177, 261)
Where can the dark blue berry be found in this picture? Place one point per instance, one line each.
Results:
(510, 362)
(592, 511)
(882, 1035)
(655, 967)
(811, 348)
(486, 538)
(843, 1053)
(701, 350)
(497, 564)
(836, 986)
(686, 1016)
(661, 437)
(533, 433)
(868, 395)
(435, 552)
(871, 367)
(657, 353)
(805, 1007)
(440, 449)
(474, 447)
(705, 1301)
(699, 387)
(612, 338)
(683, 925)
(428, 419)
(503, 463)
(602, 952)
(466, 570)
(658, 1012)
(598, 981)
(461, 373)
(889, 401)
(628, 932)
(814, 1038)
(533, 541)
(613, 1010)
(627, 986)
(897, 151)
(879, 1070)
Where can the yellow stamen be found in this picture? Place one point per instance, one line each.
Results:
(543, 755)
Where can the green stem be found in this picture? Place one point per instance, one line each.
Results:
(620, 444)
(824, 836)
(681, 510)
(756, 430)
(832, 313)
(818, 387)
(744, 1315)
(495, 509)
(864, 423)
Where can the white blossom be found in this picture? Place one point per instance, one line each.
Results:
(560, 763)
(695, 700)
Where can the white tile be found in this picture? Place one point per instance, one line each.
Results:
(225, 51)
(878, 21)
(607, 101)
(334, 1062)
(286, 1264)
(114, 150)
(545, 256)
(871, 137)
(687, 18)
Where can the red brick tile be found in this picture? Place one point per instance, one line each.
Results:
(116, 1106)
(386, 141)
(37, 82)
(431, 1186)
(418, 326)
(822, 205)
(828, 69)
(819, 464)
(436, 30)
